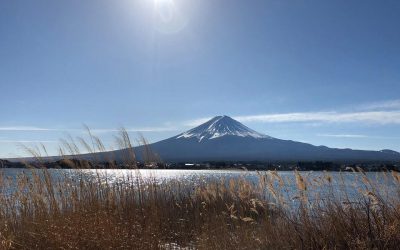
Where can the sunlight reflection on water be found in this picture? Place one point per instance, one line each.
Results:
(341, 183)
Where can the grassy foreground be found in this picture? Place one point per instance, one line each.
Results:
(47, 212)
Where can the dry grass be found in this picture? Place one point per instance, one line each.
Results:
(41, 209)
(46, 212)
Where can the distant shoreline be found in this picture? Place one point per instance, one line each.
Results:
(220, 165)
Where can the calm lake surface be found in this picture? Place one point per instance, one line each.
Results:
(188, 175)
(318, 183)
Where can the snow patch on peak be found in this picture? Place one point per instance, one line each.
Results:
(221, 126)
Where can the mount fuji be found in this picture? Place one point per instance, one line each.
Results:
(223, 138)
(220, 126)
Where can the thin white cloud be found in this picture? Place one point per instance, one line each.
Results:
(320, 118)
(370, 117)
(26, 141)
(143, 129)
(105, 130)
(25, 128)
(153, 129)
(383, 105)
(381, 113)
(343, 135)
(359, 136)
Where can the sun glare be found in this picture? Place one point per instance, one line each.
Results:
(170, 18)
(162, 1)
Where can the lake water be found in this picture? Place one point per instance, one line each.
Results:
(318, 183)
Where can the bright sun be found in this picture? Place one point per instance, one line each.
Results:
(162, 1)
(170, 18)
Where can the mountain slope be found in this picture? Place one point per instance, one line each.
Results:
(223, 138)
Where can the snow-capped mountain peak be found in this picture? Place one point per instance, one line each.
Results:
(221, 126)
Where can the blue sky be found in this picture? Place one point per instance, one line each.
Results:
(323, 72)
